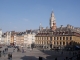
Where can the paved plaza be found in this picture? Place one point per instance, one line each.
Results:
(35, 53)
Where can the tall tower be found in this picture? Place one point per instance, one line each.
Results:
(52, 21)
(40, 27)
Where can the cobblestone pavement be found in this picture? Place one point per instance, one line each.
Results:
(34, 55)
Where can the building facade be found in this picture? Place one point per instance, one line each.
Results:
(8, 37)
(29, 38)
(0, 36)
(57, 37)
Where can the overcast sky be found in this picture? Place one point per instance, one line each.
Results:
(20, 15)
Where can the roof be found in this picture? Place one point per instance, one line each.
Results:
(59, 31)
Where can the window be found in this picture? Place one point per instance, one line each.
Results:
(50, 38)
(57, 43)
(54, 43)
(60, 38)
(47, 42)
(63, 38)
(54, 38)
(63, 43)
(70, 43)
(66, 38)
(70, 38)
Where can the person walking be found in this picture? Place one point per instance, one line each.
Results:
(9, 56)
(4, 54)
(0, 53)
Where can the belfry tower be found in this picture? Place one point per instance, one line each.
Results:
(52, 21)
(40, 27)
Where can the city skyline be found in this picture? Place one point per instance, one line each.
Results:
(21, 15)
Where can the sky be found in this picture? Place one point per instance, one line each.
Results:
(20, 15)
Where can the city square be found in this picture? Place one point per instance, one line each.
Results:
(35, 54)
(39, 30)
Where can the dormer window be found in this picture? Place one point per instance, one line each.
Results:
(63, 33)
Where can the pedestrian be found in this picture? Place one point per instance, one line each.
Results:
(3, 51)
(0, 53)
(4, 54)
(56, 58)
(40, 58)
(9, 56)
(66, 58)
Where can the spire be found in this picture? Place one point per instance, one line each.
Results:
(52, 21)
(40, 26)
(52, 14)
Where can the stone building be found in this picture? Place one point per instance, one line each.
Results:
(24, 38)
(57, 37)
(0, 36)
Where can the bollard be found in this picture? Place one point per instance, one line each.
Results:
(40, 58)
